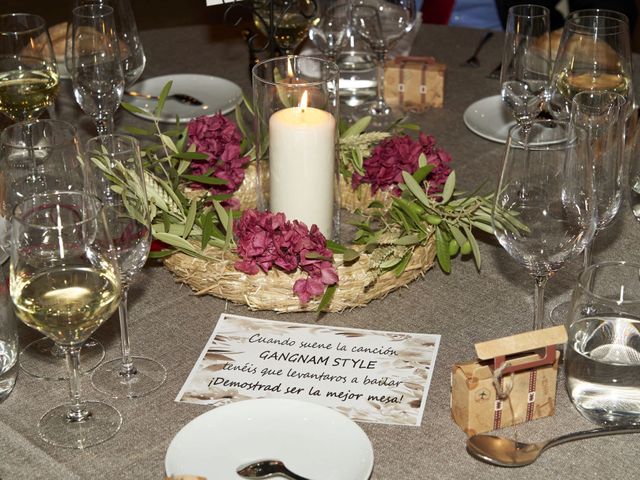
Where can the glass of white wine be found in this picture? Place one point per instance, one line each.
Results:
(65, 282)
(117, 175)
(594, 54)
(285, 22)
(28, 71)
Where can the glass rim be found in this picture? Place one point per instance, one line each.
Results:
(5, 133)
(597, 12)
(579, 25)
(529, 10)
(583, 280)
(42, 24)
(96, 10)
(333, 66)
(58, 193)
(620, 99)
(133, 145)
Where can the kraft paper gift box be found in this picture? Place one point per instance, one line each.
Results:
(513, 381)
(414, 83)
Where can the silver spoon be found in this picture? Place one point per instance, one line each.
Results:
(180, 97)
(505, 452)
(267, 469)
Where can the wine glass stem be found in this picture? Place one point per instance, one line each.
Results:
(588, 253)
(538, 302)
(381, 56)
(104, 125)
(76, 412)
(128, 368)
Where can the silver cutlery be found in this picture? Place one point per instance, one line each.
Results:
(495, 73)
(180, 97)
(505, 452)
(267, 469)
(473, 61)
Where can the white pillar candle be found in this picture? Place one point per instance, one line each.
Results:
(302, 165)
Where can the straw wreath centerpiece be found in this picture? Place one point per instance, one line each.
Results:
(200, 182)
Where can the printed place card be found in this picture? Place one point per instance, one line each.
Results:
(368, 375)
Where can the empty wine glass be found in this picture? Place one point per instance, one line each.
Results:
(594, 54)
(382, 23)
(547, 184)
(131, 52)
(524, 76)
(40, 157)
(28, 72)
(95, 67)
(288, 21)
(329, 30)
(117, 175)
(64, 283)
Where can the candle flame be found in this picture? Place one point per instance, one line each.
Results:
(304, 100)
(289, 68)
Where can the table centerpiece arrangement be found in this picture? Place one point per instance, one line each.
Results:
(201, 179)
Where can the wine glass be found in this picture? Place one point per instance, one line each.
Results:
(547, 184)
(291, 21)
(524, 76)
(28, 72)
(131, 52)
(594, 54)
(39, 157)
(382, 23)
(64, 283)
(117, 175)
(95, 67)
(329, 30)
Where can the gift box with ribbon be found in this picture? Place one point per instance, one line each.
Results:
(414, 83)
(513, 381)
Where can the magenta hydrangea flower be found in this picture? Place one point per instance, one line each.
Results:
(266, 240)
(220, 139)
(384, 167)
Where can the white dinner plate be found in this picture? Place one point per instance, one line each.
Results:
(489, 118)
(217, 95)
(312, 440)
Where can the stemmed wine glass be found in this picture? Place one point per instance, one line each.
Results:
(131, 52)
(117, 175)
(547, 184)
(291, 21)
(329, 30)
(39, 157)
(95, 67)
(28, 71)
(382, 23)
(594, 54)
(64, 282)
(525, 72)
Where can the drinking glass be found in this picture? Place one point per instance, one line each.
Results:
(329, 30)
(28, 72)
(131, 52)
(117, 176)
(525, 72)
(64, 283)
(38, 157)
(291, 21)
(602, 357)
(594, 54)
(382, 23)
(547, 184)
(95, 67)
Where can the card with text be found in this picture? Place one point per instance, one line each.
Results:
(368, 375)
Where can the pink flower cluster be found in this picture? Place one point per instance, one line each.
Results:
(267, 239)
(220, 139)
(383, 169)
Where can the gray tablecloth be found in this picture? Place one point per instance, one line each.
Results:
(172, 325)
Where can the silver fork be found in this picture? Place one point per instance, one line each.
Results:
(473, 61)
(180, 97)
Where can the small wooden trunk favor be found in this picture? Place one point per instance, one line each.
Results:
(414, 83)
(513, 381)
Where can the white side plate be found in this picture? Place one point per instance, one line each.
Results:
(312, 440)
(489, 118)
(216, 94)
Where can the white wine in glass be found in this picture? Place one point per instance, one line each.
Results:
(28, 71)
(291, 21)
